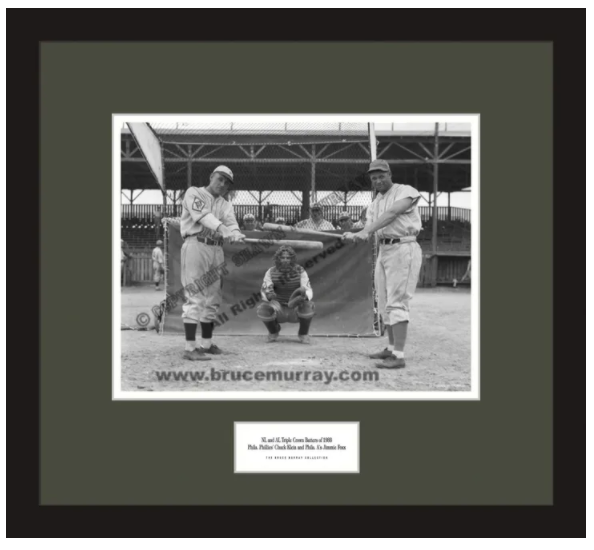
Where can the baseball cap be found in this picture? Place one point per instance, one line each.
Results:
(159, 242)
(315, 206)
(344, 216)
(249, 216)
(280, 220)
(225, 171)
(379, 164)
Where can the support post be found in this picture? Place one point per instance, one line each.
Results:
(260, 206)
(313, 175)
(305, 203)
(372, 141)
(189, 182)
(435, 190)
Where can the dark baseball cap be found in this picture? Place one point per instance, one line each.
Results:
(316, 206)
(380, 165)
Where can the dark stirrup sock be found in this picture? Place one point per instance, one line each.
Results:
(207, 329)
(190, 329)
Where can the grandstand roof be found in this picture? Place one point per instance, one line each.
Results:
(279, 156)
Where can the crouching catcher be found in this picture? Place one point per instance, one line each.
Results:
(286, 296)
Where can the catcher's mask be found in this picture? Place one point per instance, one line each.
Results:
(281, 263)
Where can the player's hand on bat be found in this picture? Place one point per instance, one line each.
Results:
(230, 236)
(355, 237)
(236, 237)
(360, 237)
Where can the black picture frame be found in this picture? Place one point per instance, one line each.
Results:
(27, 517)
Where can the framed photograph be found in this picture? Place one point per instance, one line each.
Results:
(297, 285)
(374, 215)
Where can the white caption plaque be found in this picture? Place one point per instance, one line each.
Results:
(296, 447)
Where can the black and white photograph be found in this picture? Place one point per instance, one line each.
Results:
(296, 257)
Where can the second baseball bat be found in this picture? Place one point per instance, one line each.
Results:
(310, 245)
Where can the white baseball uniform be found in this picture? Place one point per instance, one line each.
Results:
(398, 265)
(202, 265)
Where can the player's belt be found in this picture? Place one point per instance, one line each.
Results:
(398, 240)
(205, 240)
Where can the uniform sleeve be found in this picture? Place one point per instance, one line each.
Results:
(409, 192)
(229, 218)
(329, 226)
(197, 204)
(306, 284)
(267, 286)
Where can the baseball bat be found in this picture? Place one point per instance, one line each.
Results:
(288, 228)
(310, 245)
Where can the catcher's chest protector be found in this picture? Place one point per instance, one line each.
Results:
(285, 282)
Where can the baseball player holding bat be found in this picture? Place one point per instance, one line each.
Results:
(394, 216)
(207, 221)
(286, 296)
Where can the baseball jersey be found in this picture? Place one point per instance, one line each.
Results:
(324, 225)
(158, 255)
(406, 224)
(197, 203)
(284, 283)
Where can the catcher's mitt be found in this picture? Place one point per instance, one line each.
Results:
(297, 297)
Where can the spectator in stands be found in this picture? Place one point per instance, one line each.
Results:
(362, 220)
(316, 220)
(345, 223)
(158, 264)
(267, 213)
(157, 217)
(249, 222)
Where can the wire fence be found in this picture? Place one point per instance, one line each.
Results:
(282, 169)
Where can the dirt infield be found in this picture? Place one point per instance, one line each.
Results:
(438, 354)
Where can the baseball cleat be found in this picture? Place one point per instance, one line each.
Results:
(384, 354)
(213, 350)
(272, 338)
(304, 338)
(392, 363)
(195, 355)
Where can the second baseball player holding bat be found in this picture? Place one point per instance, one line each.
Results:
(394, 216)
